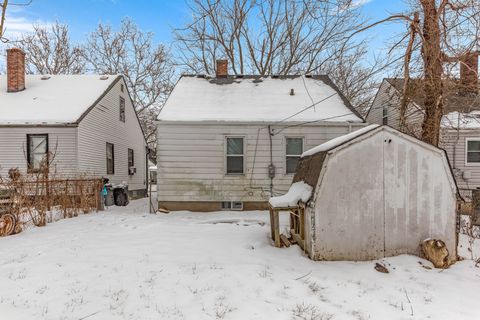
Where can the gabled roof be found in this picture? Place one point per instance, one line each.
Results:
(52, 99)
(257, 99)
(455, 100)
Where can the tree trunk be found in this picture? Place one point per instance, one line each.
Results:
(432, 59)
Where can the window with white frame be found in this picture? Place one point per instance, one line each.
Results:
(293, 151)
(234, 155)
(110, 157)
(473, 151)
(385, 116)
(37, 150)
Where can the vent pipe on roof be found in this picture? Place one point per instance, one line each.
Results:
(222, 68)
(15, 70)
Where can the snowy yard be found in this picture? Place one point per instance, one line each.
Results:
(128, 264)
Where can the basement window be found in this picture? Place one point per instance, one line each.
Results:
(293, 152)
(232, 205)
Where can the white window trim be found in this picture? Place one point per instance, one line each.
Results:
(470, 164)
(385, 108)
(285, 152)
(225, 157)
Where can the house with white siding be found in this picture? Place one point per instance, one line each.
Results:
(230, 142)
(460, 127)
(87, 123)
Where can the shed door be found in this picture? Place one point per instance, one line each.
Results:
(406, 177)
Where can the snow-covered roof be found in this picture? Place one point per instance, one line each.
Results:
(335, 142)
(51, 99)
(257, 99)
(459, 120)
(299, 191)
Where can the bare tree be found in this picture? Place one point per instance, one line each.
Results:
(147, 68)
(277, 37)
(49, 50)
(439, 33)
(3, 12)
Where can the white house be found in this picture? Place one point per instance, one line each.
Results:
(374, 193)
(230, 142)
(86, 122)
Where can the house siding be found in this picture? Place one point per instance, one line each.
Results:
(62, 143)
(389, 97)
(101, 125)
(454, 142)
(191, 160)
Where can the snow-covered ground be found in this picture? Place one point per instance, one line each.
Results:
(128, 264)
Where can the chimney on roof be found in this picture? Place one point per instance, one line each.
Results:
(15, 70)
(469, 72)
(222, 68)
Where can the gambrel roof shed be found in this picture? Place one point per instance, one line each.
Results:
(376, 192)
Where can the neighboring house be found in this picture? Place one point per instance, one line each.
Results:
(403, 193)
(230, 142)
(460, 132)
(86, 123)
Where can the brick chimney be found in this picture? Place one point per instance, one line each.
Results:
(15, 70)
(222, 68)
(469, 72)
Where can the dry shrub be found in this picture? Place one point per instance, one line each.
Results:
(44, 196)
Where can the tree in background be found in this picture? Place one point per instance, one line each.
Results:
(147, 68)
(278, 37)
(3, 12)
(49, 50)
(441, 35)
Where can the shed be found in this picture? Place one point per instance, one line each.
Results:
(376, 193)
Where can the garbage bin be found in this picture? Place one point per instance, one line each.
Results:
(109, 199)
(120, 195)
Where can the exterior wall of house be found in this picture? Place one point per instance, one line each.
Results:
(62, 142)
(402, 194)
(388, 97)
(455, 144)
(191, 160)
(101, 125)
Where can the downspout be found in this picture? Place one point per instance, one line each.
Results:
(271, 167)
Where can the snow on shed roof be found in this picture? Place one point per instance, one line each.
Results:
(59, 99)
(335, 142)
(299, 191)
(253, 98)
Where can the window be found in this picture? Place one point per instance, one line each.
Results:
(232, 205)
(234, 156)
(473, 151)
(385, 116)
(293, 151)
(121, 87)
(131, 162)
(110, 159)
(37, 150)
(122, 109)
